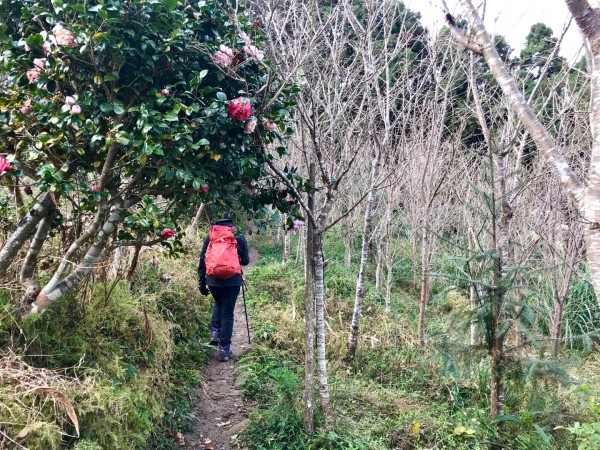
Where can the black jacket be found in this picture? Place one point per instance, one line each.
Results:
(236, 280)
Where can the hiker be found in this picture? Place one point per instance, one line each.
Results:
(222, 280)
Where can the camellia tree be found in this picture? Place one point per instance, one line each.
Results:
(115, 117)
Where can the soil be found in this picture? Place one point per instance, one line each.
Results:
(220, 414)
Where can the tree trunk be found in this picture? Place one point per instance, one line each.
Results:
(561, 297)
(415, 263)
(193, 228)
(424, 299)
(94, 254)
(24, 231)
(301, 243)
(133, 264)
(29, 277)
(379, 269)
(364, 259)
(348, 249)
(472, 289)
(286, 248)
(320, 313)
(30, 263)
(389, 263)
(309, 318)
(76, 245)
(519, 339)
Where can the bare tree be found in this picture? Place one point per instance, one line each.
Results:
(586, 194)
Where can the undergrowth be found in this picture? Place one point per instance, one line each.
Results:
(393, 395)
(127, 357)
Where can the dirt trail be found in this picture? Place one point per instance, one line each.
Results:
(220, 414)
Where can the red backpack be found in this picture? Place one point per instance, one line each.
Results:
(222, 259)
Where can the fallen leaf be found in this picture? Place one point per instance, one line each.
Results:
(62, 398)
(415, 428)
(180, 438)
(222, 424)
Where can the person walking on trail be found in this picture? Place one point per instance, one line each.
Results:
(220, 274)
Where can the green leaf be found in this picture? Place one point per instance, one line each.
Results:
(122, 140)
(106, 107)
(507, 418)
(35, 41)
(171, 117)
(119, 108)
(110, 77)
(221, 96)
(203, 141)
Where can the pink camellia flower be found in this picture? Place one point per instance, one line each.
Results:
(297, 225)
(95, 188)
(240, 109)
(39, 63)
(4, 165)
(46, 48)
(224, 56)
(33, 75)
(167, 233)
(164, 92)
(63, 37)
(69, 100)
(27, 47)
(291, 202)
(204, 188)
(269, 125)
(245, 38)
(25, 110)
(250, 126)
(251, 50)
(75, 109)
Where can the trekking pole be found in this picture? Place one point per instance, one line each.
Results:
(245, 310)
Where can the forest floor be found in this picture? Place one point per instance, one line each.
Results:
(220, 414)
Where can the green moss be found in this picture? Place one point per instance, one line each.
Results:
(131, 355)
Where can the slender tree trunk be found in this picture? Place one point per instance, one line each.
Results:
(320, 313)
(389, 263)
(348, 249)
(299, 253)
(193, 228)
(415, 252)
(134, 263)
(30, 263)
(309, 318)
(472, 289)
(364, 260)
(94, 254)
(29, 277)
(25, 229)
(89, 233)
(561, 297)
(519, 340)
(286, 248)
(424, 299)
(379, 269)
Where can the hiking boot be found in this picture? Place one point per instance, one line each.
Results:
(214, 336)
(225, 353)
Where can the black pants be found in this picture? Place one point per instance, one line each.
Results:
(222, 313)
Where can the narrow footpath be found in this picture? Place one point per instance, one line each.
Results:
(220, 414)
